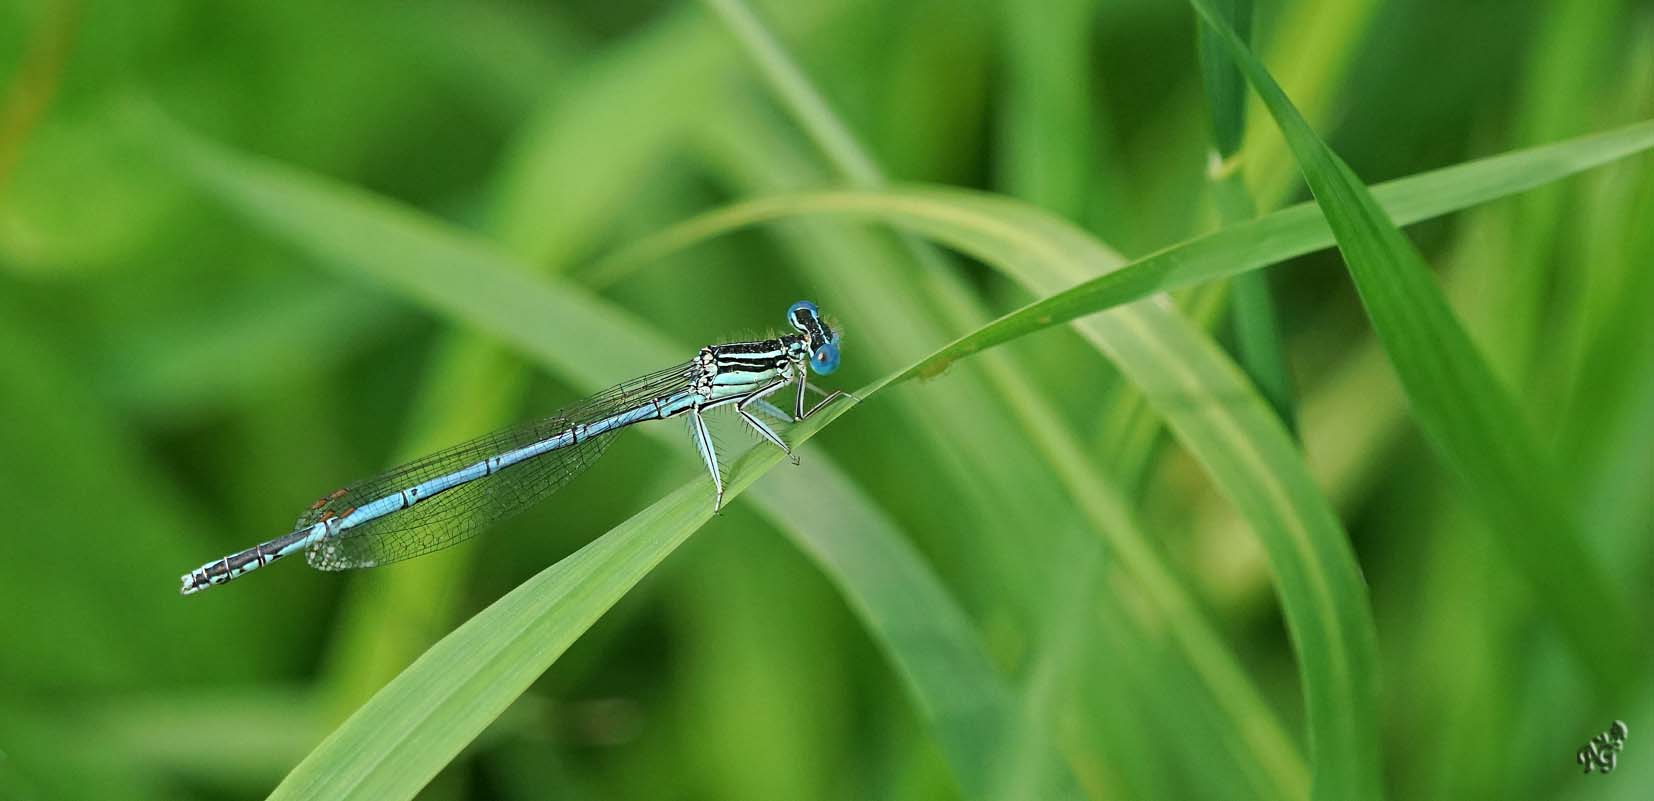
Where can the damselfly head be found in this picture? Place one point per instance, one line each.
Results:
(820, 339)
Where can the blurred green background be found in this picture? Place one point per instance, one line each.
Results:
(178, 379)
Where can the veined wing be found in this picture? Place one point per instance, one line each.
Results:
(486, 496)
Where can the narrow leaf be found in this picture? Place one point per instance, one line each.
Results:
(1467, 416)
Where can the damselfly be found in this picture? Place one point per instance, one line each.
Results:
(444, 498)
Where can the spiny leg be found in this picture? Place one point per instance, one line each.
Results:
(764, 430)
(703, 443)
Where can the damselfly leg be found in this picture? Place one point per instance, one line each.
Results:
(709, 454)
(799, 414)
(758, 425)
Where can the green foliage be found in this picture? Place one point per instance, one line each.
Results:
(250, 253)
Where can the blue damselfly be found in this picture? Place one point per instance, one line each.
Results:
(445, 498)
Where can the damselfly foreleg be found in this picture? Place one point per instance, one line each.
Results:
(803, 386)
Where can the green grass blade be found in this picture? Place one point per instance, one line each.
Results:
(1318, 46)
(399, 740)
(806, 104)
(1259, 346)
(1225, 90)
(1469, 418)
(1258, 343)
(1268, 240)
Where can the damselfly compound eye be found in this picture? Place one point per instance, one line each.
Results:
(825, 358)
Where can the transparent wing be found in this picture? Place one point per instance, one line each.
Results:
(461, 512)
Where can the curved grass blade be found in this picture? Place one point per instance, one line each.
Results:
(806, 104)
(1225, 90)
(1467, 416)
(393, 745)
(1265, 241)
(1259, 346)
(1318, 47)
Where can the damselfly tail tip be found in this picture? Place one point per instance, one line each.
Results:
(191, 586)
